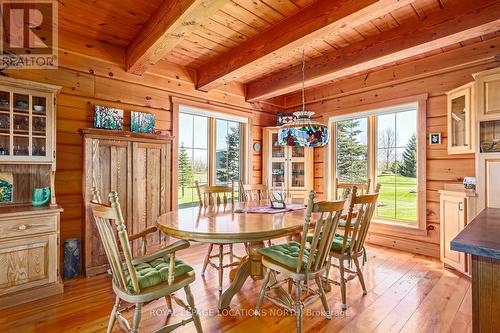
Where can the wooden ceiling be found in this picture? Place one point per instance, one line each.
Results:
(259, 43)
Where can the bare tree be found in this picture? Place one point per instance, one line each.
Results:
(387, 141)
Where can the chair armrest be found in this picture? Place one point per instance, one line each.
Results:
(179, 245)
(142, 233)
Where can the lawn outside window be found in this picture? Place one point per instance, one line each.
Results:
(386, 146)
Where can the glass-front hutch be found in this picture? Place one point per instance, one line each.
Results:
(287, 168)
(461, 120)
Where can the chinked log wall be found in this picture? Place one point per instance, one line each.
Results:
(442, 168)
(91, 73)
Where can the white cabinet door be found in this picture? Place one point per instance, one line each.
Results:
(452, 222)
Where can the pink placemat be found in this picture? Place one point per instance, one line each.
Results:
(270, 210)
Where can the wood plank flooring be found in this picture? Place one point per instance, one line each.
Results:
(407, 293)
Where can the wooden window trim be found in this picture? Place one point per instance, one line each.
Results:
(246, 156)
(420, 229)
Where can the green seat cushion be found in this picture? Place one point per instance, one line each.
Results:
(154, 272)
(286, 254)
(336, 242)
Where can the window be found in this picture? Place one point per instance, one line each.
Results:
(397, 166)
(381, 146)
(351, 147)
(210, 151)
(193, 156)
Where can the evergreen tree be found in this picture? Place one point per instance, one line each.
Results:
(185, 175)
(408, 167)
(228, 163)
(351, 154)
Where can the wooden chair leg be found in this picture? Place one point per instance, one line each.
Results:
(221, 265)
(137, 317)
(194, 312)
(262, 292)
(342, 284)
(112, 317)
(327, 286)
(231, 253)
(290, 286)
(322, 295)
(360, 275)
(207, 259)
(298, 305)
(168, 300)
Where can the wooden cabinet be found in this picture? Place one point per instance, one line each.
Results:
(29, 236)
(488, 94)
(29, 254)
(457, 209)
(287, 168)
(135, 165)
(461, 122)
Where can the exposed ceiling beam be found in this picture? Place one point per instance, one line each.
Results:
(465, 19)
(318, 20)
(166, 28)
(482, 52)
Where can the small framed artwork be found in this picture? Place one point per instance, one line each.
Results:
(142, 122)
(6, 187)
(108, 118)
(435, 138)
(284, 118)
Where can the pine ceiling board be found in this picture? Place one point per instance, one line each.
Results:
(90, 32)
(207, 43)
(321, 46)
(337, 40)
(262, 10)
(303, 3)
(285, 7)
(234, 24)
(182, 59)
(352, 36)
(367, 29)
(108, 20)
(385, 23)
(426, 7)
(200, 52)
(490, 35)
(243, 15)
(404, 14)
(215, 37)
(221, 29)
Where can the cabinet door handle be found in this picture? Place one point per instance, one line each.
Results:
(460, 206)
(22, 227)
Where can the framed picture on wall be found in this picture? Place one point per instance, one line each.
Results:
(6, 187)
(435, 138)
(142, 122)
(108, 118)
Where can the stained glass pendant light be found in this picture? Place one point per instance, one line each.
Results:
(303, 131)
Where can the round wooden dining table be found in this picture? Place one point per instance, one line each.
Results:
(232, 224)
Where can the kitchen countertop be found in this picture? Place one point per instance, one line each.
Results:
(481, 237)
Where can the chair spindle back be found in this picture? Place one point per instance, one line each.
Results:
(214, 195)
(324, 230)
(365, 205)
(104, 215)
(254, 192)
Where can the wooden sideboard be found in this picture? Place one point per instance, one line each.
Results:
(138, 167)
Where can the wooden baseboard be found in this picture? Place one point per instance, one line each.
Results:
(31, 294)
(409, 245)
(93, 271)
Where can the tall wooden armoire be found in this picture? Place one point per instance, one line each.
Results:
(138, 167)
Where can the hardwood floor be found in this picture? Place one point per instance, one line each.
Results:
(407, 293)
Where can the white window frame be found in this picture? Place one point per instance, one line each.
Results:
(372, 111)
(212, 112)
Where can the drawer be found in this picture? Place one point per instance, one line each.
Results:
(27, 226)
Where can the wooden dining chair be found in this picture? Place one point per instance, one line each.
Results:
(349, 246)
(346, 188)
(254, 192)
(145, 278)
(346, 195)
(212, 196)
(301, 262)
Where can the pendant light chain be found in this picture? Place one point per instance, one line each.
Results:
(303, 80)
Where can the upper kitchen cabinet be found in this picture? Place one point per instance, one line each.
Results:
(461, 120)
